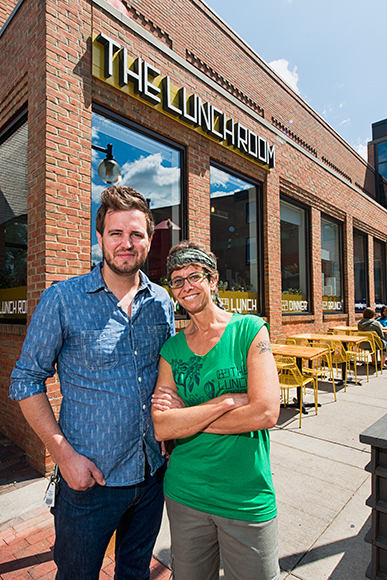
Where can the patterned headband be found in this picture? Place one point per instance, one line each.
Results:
(188, 256)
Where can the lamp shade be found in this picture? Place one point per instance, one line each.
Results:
(109, 171)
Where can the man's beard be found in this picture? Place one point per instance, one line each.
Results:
(124, 269)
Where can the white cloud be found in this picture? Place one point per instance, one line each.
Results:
(345, 122)
(96, 191)
(281, 67)
(94, 133)
(218, 177)
(361, 147)
(148, 176)
(96, 253)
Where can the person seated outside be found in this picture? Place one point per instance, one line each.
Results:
(369, 324)
(383, 316)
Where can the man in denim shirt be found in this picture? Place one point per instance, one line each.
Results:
(102, 332)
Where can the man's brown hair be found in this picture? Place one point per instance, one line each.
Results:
(122, 198)
(368, 313)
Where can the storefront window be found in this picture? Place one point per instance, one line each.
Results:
(13, 224)
(382, 171)
(151, 167)
(379, 274)
(360, 271)
(234, 211)
(294, 259)
(331, 266)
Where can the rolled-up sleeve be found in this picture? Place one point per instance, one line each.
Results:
(41, 347)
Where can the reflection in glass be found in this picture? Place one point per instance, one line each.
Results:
(382, 172)
(382, 152)
(153, 169)
(13, 224)
(379, 274)
(234, 239)
(360, 271)
(331, 266)
(382, 184)
(293, 259)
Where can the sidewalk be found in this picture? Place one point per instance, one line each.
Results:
(321, 490)
(27, 526)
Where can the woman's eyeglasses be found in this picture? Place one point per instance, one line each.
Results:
(193, 279)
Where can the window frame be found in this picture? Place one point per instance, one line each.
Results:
(366, 268)
(5, 133)
(380, 180)
(308, 262)
(384, 274)
(117, 118)
(341, 254)
(259, 221)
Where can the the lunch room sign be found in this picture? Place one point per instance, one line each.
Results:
(140, 79)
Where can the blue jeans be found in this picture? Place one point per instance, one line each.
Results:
(86, 520)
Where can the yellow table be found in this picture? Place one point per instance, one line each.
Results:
(345, 339)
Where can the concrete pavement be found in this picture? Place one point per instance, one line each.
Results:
(321, 490)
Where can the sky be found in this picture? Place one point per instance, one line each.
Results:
(331, 52)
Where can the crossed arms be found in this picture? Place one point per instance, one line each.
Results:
(227, 414)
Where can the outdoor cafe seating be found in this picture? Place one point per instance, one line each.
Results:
(298, 367)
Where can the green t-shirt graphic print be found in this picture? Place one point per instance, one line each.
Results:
(225, 475)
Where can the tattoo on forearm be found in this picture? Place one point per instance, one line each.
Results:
(264, 346)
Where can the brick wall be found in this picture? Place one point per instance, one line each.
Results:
(50, 68)
(6, 8)
(11, 340)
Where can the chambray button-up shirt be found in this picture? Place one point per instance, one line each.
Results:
(107, 365)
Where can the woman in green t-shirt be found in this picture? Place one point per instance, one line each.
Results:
(217, 395)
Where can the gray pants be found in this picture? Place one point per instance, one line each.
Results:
(249, 550)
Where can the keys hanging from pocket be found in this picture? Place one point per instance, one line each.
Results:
(52, 488)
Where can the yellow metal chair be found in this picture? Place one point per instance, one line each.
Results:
(359, 353)
(321, 367)
(301, 341)
(369, 345)
(290, 377)
(285, 341)
(381, 348)
(339, 357)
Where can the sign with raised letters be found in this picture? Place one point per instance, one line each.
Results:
(142, 80)
(13, 303)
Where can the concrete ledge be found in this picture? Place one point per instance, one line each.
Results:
(23, 500)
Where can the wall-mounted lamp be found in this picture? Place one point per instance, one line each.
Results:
(109, 170)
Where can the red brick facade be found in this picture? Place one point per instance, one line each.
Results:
(6, 8)
(49, 69)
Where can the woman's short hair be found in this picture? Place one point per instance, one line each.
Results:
(185, 245)
(183, 254)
